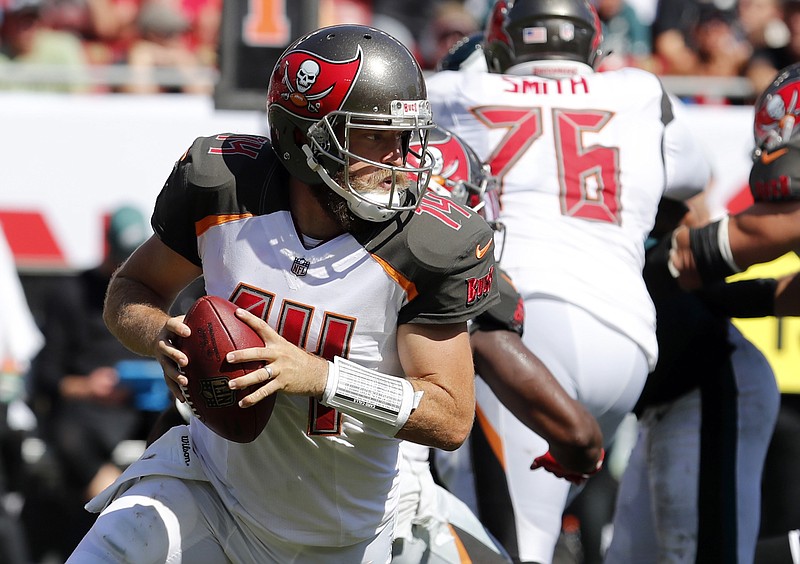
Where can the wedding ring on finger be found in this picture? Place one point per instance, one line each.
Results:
(269, 372)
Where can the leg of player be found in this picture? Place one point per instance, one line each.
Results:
(564, 337)
(655, 511)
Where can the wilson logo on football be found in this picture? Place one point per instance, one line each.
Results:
(312, 86)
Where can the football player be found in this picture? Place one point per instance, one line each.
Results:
(583, 159)
(770, 227)
(691, 490)
(358, 281)
(427, 511)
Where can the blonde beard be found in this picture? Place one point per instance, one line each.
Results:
(371, 186)
(338, 208)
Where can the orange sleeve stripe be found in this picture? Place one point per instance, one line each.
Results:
(463, 555)
(507, 279)
(494, 440)
(210, 221)
(406, 284)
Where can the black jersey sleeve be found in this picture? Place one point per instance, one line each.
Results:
(508, 314)
(445, 256)
(225, 174)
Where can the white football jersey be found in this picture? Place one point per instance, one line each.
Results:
(316, 476)
(582, 163)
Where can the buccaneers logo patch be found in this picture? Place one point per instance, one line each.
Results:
(479, 288)
(311, 86)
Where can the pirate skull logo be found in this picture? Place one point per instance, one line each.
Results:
(305, 78)
(307, 75)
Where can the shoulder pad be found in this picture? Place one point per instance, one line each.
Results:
(221, 175)
(445, 252)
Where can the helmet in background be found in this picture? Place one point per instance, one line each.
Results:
(466, 54)
(776, 110)
(337, 79)
(127, 229)
(519, 31)
(457, 169)
(459, 174)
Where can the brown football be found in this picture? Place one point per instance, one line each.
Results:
(215, 332)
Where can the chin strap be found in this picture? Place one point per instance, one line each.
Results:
(362, 208)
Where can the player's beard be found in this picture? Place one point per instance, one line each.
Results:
(372, 185)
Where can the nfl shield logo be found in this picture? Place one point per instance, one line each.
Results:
(216, 393)
(567, 31)
(300, 266)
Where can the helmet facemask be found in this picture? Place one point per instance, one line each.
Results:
(330, 155)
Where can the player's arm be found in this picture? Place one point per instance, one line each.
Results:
(433, 404)
(437, 361)
(787, 295)
(138, 298)
(764, 232)
(761, 233)
(527, 388)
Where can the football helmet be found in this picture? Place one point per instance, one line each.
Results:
(776, 110)
(460, 175)
(519, 31)
(337, 79)
(465, 55)
(457, 169)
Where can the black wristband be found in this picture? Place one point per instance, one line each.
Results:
(704, 243)
(660, 282)
(743, 298)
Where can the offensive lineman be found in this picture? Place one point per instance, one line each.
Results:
(583, 160)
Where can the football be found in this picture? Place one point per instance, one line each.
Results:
(215, 332)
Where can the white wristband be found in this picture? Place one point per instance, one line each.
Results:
(794, 545)
(725, 244)
(382, 401)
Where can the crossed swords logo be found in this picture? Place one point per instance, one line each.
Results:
(784, 116)
(305, 78)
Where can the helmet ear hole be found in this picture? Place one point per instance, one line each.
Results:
(299, 137)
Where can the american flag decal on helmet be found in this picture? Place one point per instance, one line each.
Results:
(534, 34)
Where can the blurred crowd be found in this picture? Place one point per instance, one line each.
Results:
(69, 38)
(169, 46)
(172, 45)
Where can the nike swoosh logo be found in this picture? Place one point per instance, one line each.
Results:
(767, 158)
(481, 251)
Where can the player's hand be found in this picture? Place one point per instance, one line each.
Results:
(681, 260)
(550, 464)
(171, 359)
(289, 368)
